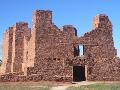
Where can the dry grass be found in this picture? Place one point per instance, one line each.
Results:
(26, 86)
(42, 85)
(98, 86)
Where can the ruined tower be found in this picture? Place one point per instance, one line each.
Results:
(104, 52)
(13, 43)
(7, 51)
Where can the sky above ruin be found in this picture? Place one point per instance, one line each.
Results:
(78, 13)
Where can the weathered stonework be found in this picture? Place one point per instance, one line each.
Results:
(48, 53)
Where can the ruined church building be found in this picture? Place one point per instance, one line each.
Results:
(48, 53)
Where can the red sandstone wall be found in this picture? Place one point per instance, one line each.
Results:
(50, 43)
(13, 47)
(18, 50)
(4, 52)
(49, 53)
(9, 60)
(26, 62)
(102, 58)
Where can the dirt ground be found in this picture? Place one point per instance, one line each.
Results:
(75, 84)
(55, 85)
(78, 84)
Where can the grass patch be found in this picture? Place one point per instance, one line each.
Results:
(100, 86)
(25, 86)
(22, 88)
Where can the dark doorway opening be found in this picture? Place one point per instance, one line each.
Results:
(78, 73)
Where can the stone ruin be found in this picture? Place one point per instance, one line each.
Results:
(46, 52)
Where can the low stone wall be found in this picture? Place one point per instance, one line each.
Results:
(36, 78)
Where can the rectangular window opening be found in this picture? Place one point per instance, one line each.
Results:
(81, 50)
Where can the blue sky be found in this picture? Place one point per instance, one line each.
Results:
(76, 12)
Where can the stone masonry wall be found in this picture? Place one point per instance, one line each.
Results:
(48, 53)
(51, 43)
(9, 60)
(14, 38)
(4, 52)
(102, 62)
(19, 33)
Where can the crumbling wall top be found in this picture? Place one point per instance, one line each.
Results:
(10, 29)
(69, 29)
(101, 21)
(20, 26)
(41, 11)
(42, 16)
